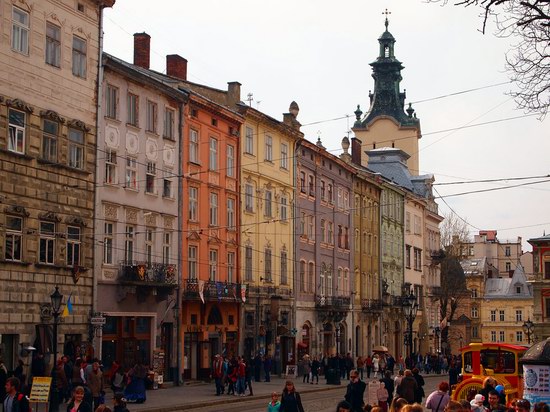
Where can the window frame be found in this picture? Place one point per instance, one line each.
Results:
(131, 172)
(230, 166)
(249, 197)
(268, 198)
(111, 101)
(214, 208)
(194, 146)
(52, 50)
(129, 250)
(231, 213)
(50, 141)
(268, 264)
(213, 265)
(192, 259)
(284, 209)
(230, 266)
(213, 154)
(76, 150)
(132, 109)
(249, 141)
(193, 203)
(17, 239)
(46, 245)
(268, 148)
(166, 247)
(79, 57)
(74, 246)
(248, 256)
(111, 168)
(108, 243)
(284, 156)
(23, 42)
(168, 126)
(150, 178)
(151, 118)
(284, 268)
(16, 132)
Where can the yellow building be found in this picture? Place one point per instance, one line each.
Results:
(267, 179)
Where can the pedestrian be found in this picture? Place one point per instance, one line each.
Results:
(257, 367)
(438, 400)
(501, 394)
(117, 377)
(494, 402)
(3, 379)
(14, 401)
(62, 390)
(343, 406)
(355, 392)
(523, 405)
(135, 390)
(306, 368)
(78, 403)
(382, 397)
(232, 377)
(217, 373)
(360, 366)
(38, 366)
(408, 387)
(489, 384)
(397, 404)
(248, 377)
(454, 406)
(275, 404)
(390, 363)
(290, 399)
(401, 363)
(119, 403)
(315, 366)
(241, 376)
(415, 407)
(398, 377)
(541, 407)
(349, 365)
(375, 365)
(388, 384)
(342, 366)
(419, 393)
(267, 368)
(476, 404)
(368, 365)
(453, 374)
(95, 384)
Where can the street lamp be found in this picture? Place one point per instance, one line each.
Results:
(528, 328)
(56, 299)
(410, 307)
(437, 333)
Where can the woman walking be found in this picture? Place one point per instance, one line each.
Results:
(438, 400)
(291, 400)
(77, 403)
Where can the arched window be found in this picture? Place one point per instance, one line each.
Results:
(346, 282)
(302, 279)
(339, 283)
(215, 316)
(311, 277)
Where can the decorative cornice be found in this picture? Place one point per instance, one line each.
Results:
(51, 216)
(19, 104)
(78, 124)
(17, 210)
(52, 115)
(75, 220)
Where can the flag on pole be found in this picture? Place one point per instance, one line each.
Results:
(201, 290)
(68, 310)
(243, 292)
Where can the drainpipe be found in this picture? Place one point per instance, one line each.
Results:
(295, 245)
(380, 266)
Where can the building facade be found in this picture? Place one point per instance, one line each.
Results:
(541, 286)
(324, 252)
(48, 156)
(137, 209)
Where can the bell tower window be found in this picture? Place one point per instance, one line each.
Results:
(386, 51)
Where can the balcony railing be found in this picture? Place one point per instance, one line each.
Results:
(332, 302)
(148, 274)
(269, 291)
(212, 291)
(371, 305)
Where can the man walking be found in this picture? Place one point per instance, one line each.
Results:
(14, 400)
(355, 392)
(217, 373)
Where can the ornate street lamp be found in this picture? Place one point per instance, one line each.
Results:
(437, 334)
(410, 307)
(56, 298)
(528, 328)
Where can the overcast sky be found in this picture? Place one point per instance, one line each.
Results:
(317, 52)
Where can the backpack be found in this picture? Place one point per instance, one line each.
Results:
(23, 402)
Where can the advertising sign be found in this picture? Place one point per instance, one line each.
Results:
(40, 391)
(536, 383)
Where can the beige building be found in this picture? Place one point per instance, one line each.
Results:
(48, 157)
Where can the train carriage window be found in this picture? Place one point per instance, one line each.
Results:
(467, 362)
(500, 361)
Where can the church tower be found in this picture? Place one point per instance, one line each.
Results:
(387, 123)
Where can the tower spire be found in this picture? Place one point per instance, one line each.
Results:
(386, 23)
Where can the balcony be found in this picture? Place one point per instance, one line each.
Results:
(159, 275)
(269, 291)
(332, 302)
(371, 305)
(212, 291)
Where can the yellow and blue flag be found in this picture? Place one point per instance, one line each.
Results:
(68, 307)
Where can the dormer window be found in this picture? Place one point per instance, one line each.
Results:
(518, 290)
(386, 51)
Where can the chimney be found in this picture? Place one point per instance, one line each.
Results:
(233, 93)
(356, 151)
(176, 66)
(142, 49)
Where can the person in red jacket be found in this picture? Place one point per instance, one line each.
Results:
(217, 373)
(241, 376)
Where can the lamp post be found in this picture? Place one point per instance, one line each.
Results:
(410, 307)
(528, 328)
(56, 299)
(437, 333)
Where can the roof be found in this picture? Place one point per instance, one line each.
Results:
(474, 266)
(507, 287)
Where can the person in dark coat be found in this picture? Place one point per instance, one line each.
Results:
(355, 392)
(419, 393)
(78, 402)
(290, 399)
(257, 367)
(38, 367)
(342, 366)
(408, 387)
(267, 368)
(388, 383)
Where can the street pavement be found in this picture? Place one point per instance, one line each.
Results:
(200, 397)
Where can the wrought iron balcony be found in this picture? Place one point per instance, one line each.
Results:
(148, 274)
(332, 302)
(269, 291)
(371, 305)
(212, 291)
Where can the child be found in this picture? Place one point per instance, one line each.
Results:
(477, 403)
(275, 403)
(382, 396)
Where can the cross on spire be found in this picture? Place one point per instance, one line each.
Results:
(387, 13)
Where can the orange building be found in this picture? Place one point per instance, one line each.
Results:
(210, 217)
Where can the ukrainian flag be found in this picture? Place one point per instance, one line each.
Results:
(68, 307)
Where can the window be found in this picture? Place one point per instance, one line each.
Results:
(340, 199)
(519, 336)
(166, 242)
(346, 200)
(408, 222)
(330, 233)
(311, 180)
(329, 282)
(53, 45)
(346, 282)
(518, 290)
(108, 242)
(311, 227)
(508, 266)
(76, 148)
(493, 315)
(269, 148)
(213, 209)
(284, 156)
(302, 276)
(417, 259)
(79, 57)
(111, 102)
(248, 263)
(323, 191)
(501, 336)
(346, 238)
(322, 285)
(129, 245)
(330, 194)
(192, 261)
(547, 269)
(323, 231)
(230, 161)
(131, 173)
(149, 245)
(267, 265)
(20, 31)
(475, 313)
(193, 146)
(167, 186)
(193, 203)
(213, 264)
(249, 198)
(14, 238)
(150, 174)
(16, 134)
(231, 214)
(547, 307)
(303, 224)
(408, 256)
(249, 141)
(474, 293)
(519, 316)
(168, 124)
(49, 140)
(47, 243)
(417, 225)
(133, 109)
(475, 332)
(507, 251)
(501, 315)
(110, 167)
(493, 336)
(230, 267)
(284, 208)
(303, 182)
(73, 246)
(339, 280)
(268, 203)
(284, 268)
(151, 119)
(213, 159)
(340, 236)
